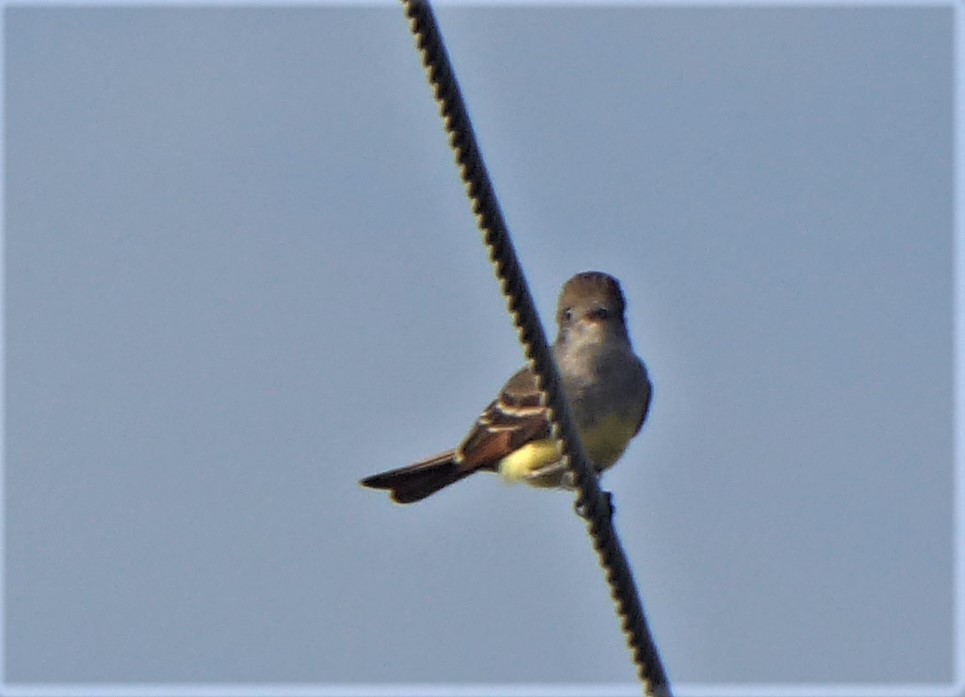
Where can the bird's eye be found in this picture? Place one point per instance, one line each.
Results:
(568, 315)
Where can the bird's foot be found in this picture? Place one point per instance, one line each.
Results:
(583, 510)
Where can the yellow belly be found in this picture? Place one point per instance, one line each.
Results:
(604, 442)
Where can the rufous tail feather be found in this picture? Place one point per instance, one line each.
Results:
(415, 482)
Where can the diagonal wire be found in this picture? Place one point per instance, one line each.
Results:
(590, 501)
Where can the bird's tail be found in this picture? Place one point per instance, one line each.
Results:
(415, 482)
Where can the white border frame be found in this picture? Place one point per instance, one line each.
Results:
(955, 689)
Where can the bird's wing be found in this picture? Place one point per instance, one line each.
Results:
(513, 419)
(648, 399)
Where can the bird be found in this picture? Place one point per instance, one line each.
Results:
(606, 384)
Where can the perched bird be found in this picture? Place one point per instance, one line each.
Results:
(605, 382)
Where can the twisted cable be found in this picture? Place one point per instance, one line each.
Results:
(591, 502)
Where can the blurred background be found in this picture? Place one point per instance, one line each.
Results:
(241, 274)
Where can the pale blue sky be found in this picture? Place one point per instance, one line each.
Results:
(241, 274)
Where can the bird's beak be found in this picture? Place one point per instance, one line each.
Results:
(598, 314)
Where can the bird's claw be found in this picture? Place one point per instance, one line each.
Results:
(582, 508)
